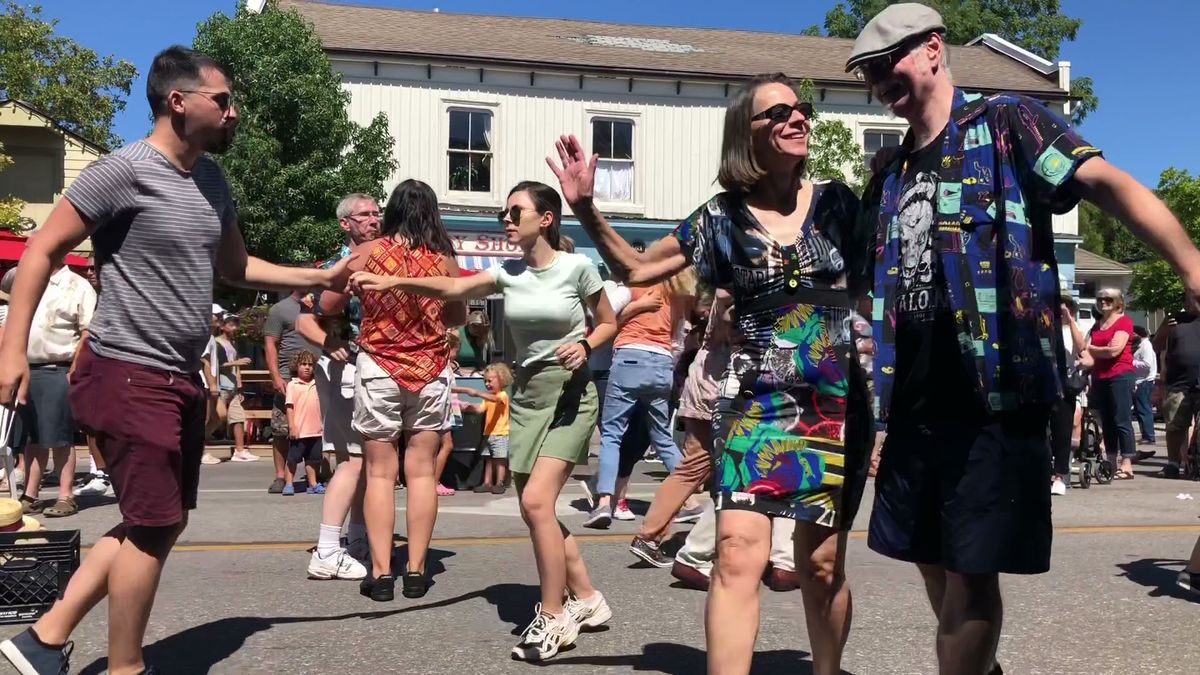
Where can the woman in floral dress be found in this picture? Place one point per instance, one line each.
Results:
(793, 429)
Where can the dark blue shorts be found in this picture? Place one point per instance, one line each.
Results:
(975, 500)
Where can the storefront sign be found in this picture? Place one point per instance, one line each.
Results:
(484, 243)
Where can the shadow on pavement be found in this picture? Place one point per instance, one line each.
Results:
(673, 659)
(1158, 574)
(200, 648)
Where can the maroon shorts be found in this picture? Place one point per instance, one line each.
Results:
(149, 426)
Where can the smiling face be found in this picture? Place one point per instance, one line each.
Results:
(905, 78)
(521, 221)
(778, 141)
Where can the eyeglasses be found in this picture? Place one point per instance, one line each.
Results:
(223, 99)
(366, 214)
(1105, 300)
(513, 213)
(880, 67)
(782, 112)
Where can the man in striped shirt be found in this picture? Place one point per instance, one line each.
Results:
(162, 222)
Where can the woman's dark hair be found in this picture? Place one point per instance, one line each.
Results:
(412, 215)
(739, 170)
(175, 67)
(544, 198)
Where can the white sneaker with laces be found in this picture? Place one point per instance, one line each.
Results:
(243, 456)
(339, 565)
(208, 458)
(622, 512)
(589, 613)
(545, 636)
(1058, 487)
(99, 485)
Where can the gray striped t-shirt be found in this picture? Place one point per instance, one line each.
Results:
(156, 230)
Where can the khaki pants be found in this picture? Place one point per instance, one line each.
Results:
(700, 549)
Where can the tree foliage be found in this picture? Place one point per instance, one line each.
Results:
(833, 147)
(10, 207)
(297, 151)
(1037, 25)
(1155, 284)
(81, 90)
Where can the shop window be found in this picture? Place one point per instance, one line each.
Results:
(470, 151)
(612, 141)
(875, 140)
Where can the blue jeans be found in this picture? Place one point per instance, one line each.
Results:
(635, 376)
(1114, 398)
(1143, 411)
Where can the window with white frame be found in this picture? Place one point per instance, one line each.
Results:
(470, 151)
(612, 141)
(875, 140)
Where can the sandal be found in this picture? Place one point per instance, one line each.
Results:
(62, 508)
(31, 506)
(1123, 475)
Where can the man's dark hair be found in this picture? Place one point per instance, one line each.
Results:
(1141, 331)
(174, 67)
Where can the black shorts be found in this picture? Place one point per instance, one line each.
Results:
(307, 450)
(975, 500)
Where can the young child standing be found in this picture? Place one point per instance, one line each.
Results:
(304, 422)
(496, 377)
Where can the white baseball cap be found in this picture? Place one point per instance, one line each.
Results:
(218, 310)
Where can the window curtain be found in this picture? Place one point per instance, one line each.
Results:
(614, 180)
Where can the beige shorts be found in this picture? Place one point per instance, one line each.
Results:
(383, 409)
(699, 397)
(1179, 408)
(234, 412)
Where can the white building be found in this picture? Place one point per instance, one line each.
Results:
(475, 103)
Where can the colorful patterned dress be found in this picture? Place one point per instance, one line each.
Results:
(793, 426)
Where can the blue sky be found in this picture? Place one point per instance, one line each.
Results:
(1135, 57)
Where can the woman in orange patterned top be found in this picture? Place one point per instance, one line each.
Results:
(401, 388)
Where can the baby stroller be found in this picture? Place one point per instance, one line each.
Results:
(1090, 455)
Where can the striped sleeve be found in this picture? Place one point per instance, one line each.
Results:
(103, 190)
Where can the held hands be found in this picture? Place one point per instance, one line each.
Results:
(577, 175)
(571, 356)
(335, 278)
(365, 281)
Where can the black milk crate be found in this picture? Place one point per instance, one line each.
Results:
(34, 570)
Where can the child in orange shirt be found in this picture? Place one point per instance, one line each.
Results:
(304, 422)
(496, 377)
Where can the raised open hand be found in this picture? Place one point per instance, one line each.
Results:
(577, 173)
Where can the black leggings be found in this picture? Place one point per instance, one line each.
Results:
(1114, 399)
(1062, 424)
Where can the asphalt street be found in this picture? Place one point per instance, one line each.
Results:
(234, 597)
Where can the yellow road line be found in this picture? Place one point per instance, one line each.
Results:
(489, 541)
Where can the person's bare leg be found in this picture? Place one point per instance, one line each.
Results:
(539, 491)
(36, 459)
(578, 580)
(969, 624)
(88, 586)
(310, 472)
(420, 460)
(828, 608)
(341, 491)
(64, 464)
(381, 465)
(622, 488)
(679, 487)
(239, 437)
(501, 471)
(94, 451)
(132, 583)
(443, 455)
(731, 613)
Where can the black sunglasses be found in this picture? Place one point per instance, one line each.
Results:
(513, 213)
(880, 67)
(782, 112)
(223, 99)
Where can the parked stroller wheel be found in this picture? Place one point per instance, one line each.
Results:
(1085, 475)
(1104, 472)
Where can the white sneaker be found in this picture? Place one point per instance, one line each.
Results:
(545, 636)
(622, 512)
(209, 459)
(339, 565)
(1058, 487)
(243, 456)
(589, 613)
(99, 485)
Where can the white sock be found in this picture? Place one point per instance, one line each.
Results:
(329, 539)
(92, 464)
(356, 531)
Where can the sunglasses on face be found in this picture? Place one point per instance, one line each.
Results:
(881, 67)
(513, 213)
(222, 99)
(782, 112)
(1105, 301)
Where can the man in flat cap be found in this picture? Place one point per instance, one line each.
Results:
(965, 265)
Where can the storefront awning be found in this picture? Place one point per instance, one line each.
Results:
(13, 245)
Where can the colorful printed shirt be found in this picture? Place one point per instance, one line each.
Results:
(1006, 162)
(353, 311)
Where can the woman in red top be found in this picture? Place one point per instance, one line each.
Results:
(401, 388)
(1109, 343)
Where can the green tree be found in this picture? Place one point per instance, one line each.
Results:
(10, 207)
(297, 151)
(1155, 285)
(1036, 25)
(834, 148)
(81, 90)
(1104, 235)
